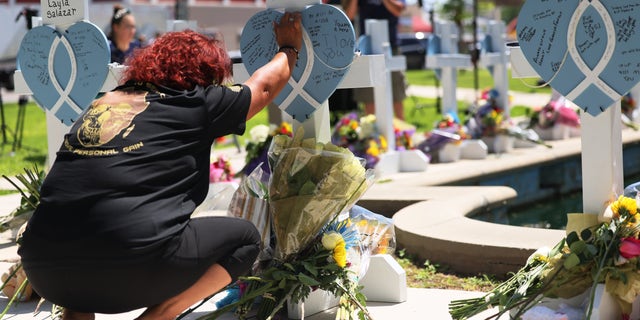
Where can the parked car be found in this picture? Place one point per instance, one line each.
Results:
(413, 45)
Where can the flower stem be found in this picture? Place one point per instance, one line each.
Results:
(597, 277)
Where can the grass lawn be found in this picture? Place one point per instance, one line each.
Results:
(33, 148)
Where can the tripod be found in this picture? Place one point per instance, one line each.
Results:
(17, 134)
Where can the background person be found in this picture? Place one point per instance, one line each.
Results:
(388, 10)
(113, 231)
(122, 35)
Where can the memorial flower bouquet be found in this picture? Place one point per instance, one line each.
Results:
(360, 136)
(259, 141)
(607, 252)
(446, 130)
(404, 140)
(554, 112)
(310, 186)
(220, 170)
(629, 112)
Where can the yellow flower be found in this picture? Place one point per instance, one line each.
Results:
(331, 239)
(383, 143)
(624, 207)
(286, 128)
(541, 255)
(373, 149)
(340, 254)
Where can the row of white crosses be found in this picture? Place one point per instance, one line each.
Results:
(443, 56)
(368, 70)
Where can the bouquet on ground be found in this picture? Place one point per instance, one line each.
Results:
(555, 112)
(489, 119)
(607, 252)
(404, 135)
(311, 184)
(360, 135)
(447, 130)
(220, 170)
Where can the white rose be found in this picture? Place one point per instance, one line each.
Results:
(331, 239)
(259, 133)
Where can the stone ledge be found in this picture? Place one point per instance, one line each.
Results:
(439, 230)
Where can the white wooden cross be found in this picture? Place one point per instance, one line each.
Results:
(448, 60)
(366, 71)
(497, 59)
(601, 138)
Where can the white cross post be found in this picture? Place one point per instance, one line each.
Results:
(601, 138)
(497, 59)
(448, 60)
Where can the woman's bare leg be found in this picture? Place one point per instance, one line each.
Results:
(73, 315)
(212, 281)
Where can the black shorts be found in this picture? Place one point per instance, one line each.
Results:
(108, 280)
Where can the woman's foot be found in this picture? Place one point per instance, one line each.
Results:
(73, 315)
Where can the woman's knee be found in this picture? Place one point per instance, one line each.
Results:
(248, 233)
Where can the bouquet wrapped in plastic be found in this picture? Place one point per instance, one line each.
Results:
(360, 135)
(311, 184)
(311, 188)
(250, 202)
(376, 231)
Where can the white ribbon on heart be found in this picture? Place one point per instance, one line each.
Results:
(591, 75)
(64, 94)
(297, 87)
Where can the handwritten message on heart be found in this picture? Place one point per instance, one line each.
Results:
(325, 57)
(586, 50)
(65, 71)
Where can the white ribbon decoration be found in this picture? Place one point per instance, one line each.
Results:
(591, 75)
(297, 87)
(64, 94)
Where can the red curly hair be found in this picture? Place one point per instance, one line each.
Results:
(180, 60)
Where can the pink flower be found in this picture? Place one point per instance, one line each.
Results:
(629, 248)
(216, 174)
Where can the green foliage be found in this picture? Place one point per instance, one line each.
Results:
(294, 281)
(31, 181)
(33, 148)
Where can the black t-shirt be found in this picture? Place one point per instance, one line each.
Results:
(136, 164)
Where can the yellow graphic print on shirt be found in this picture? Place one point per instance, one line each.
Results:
(104, 121)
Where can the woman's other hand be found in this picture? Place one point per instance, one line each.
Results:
(289, 30)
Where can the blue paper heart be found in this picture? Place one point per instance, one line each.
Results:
(65, 71)
(325, 57)
(586, 50)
